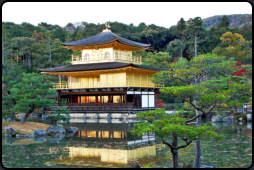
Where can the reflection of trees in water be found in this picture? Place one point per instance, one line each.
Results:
(32, 155)
(234, 150)
(230, 151)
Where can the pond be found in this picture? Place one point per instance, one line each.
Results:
(103, 144)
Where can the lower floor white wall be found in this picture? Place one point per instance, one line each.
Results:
(144, 100)
(151, 101)
(148, 101)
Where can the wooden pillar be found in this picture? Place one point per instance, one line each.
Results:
(125, 98)
(79, 100)
(70, 82)
(100, 100)
(60, 81)
(71, 99)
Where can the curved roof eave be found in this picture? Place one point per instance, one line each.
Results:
(97, 66)
(109, 36)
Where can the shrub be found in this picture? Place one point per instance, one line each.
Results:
(242, 115)
(238, 113)
(170, 107)
(214, 113)
(57, 115)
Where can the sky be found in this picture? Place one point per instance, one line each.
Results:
(165, 14)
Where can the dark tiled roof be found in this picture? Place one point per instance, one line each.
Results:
(105, 37)
(97, 66)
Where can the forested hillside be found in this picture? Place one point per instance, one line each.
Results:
(26, 47)
(236, 20)
(40, 46)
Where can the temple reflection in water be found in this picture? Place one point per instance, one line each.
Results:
(109, 145)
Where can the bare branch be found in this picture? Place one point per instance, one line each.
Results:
(171, 147)
(195, 117)
(187, 143)
(211, 108)
(191, 123)
(179, 79)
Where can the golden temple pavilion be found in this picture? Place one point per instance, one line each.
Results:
(106, 78)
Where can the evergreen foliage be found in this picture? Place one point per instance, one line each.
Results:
(32, 92)
(165, 126)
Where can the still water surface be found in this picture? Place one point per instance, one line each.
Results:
(103, 144)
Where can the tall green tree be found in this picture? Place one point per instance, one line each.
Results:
(192, 73)
(67, 37)
(224, 22)
(31, 93)
(13, 75)
(49, 37)
(172, 126)
(175, 48)
(160, 59)
(195, 33)
(180, 29)
(79, 35)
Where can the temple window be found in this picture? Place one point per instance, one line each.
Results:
(106, 55)
(128, 57)
(116, 55)
(116, 99)
(86, 56)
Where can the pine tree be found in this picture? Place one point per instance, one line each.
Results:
(79, 36)
(224, 22)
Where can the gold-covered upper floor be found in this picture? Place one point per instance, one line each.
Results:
(105, 75)
(108, 80)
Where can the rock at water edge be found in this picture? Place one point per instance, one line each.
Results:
(10, 131)
(229, 119)
(216, 119)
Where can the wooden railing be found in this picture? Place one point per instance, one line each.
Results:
(107, 84)
(103, 107)
(105, 57)
(96, 104)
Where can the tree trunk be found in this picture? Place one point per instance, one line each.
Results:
(50, 55)
(196, 41)
(235, 109)
(174, 151)
(27, 114)
(29, 61)
(13, 113)
(13, 116)
(197, 160)
(221, 112)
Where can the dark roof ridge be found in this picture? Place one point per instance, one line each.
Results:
(97, 66)
(103, 38)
